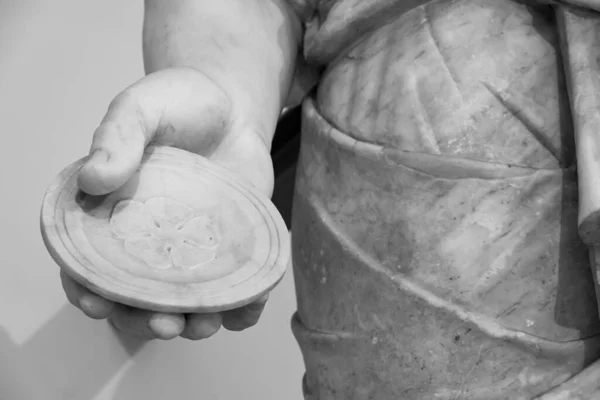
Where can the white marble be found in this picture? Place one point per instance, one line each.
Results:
(62, 63)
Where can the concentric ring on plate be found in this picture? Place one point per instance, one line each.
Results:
(182, 235)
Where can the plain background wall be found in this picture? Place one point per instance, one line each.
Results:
(61, 62)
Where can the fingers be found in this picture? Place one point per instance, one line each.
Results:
(91, 304)
(201, 326)
(147, 324)
(178, 107)
(132, 321)
(151, 325)
(244, 317)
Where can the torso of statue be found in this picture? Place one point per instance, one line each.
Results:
(435, 244)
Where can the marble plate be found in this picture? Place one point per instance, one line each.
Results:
(182, 235)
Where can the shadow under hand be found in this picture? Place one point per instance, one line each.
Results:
(69, 357)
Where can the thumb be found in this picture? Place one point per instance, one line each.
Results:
(118, 142)
(178, 107)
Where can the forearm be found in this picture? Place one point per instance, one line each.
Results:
(248, 47)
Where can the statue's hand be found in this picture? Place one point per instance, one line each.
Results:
(181, 108)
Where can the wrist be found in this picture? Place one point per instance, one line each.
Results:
(247, 48)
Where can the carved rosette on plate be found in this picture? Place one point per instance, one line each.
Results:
(165, 233)
(182, 235)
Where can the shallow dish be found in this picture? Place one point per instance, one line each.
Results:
(182, 235)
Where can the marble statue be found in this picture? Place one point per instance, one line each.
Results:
(445, 233)
(435, 227)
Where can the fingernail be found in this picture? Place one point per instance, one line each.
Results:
(164, 327)
(235, 327)
(98, 156)
(207, 328)
(236, 323)
(84, 303)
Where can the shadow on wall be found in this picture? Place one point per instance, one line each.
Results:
(73, 356)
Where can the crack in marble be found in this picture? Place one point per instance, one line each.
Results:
(519, 107)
